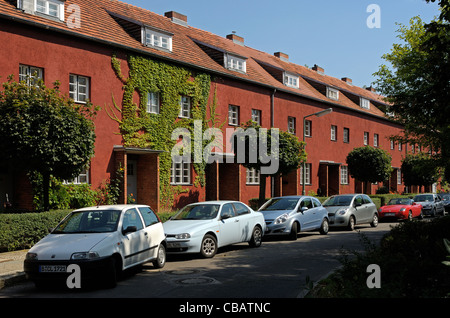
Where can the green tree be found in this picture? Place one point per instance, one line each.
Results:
(417, 83)
(291, 152)
(43, 131)
(419, 170)
(369, 165)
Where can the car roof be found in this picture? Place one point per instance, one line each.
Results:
(118, 207)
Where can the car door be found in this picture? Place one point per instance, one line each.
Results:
(229, 226)
(306, 214)
(360, 209)
(246, 221)
(154, 229)
(135, 243)
(319, 213)
(369, 208)
(439, 204)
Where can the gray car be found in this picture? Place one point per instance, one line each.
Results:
(290, 215)
(432, 204)
(347, 210)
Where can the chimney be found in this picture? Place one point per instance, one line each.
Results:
(318, 69)
(347, 80)
(176, 17)
(370, 88)
(235, 38)
(282, 56)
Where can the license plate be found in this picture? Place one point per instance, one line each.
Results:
(173, 245)
(52, 268)
(389, 214)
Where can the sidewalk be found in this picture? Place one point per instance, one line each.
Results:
(11, 268)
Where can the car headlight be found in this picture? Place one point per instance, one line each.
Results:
(84, 255)
(31, 256)
(183, 236)
(282, 218)
(341, 212)
(402, 210)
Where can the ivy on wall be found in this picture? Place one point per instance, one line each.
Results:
(147, 130)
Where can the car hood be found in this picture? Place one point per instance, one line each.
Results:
(393, 208)
(334, 208)
(272, 215)
(62, 246)
(185, 226)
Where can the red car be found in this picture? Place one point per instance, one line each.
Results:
(401, 208)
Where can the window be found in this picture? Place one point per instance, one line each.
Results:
(235, 63)
(185, 107)
(333, 133)
(291, 80)
(51, 7)
(256, 116)
(82, 178)
(252, 176)
(346, 135)
(180, 173)
(291, 125)
(332, 93)
(153, 103)
(240, 208)
(375, 140)
(400, 146)
(30, 74)
(399, 176)
(392, 144)
(79, 88)
(149, 216)
(233, 115)
(307, 173)
(308, 128)
(366, 138)
(227, 210)
(158, 39)
(306, 203)
(364, 103)
(344, 174)
(131, 218)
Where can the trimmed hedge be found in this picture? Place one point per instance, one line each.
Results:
(22, 231)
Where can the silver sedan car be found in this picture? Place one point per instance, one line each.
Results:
(347, 210)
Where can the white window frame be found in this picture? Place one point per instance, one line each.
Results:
(399, 176)
(392, 145)
(375, 140)
(291, 80)
(156, 39)
(180, 173)
(400, 146)
(333, 136)
(256, 116)
(233, 115)
(82, 178)
(153, 102)
(366, 138)
(75, 88)
(291, 125)
(346, 135)
(307, 175)
(252, 176)
(332, 93)
(44, 7)
(235, 63)
(344, 174)
(185, 107)
(30, 74)
(364, 103)
(308, 128)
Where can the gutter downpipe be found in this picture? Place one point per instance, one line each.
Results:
(272, 123)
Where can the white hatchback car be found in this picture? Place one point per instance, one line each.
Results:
(102, 241)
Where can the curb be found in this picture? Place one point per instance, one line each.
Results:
(8, 280)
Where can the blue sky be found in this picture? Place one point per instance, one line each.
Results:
(332, 34)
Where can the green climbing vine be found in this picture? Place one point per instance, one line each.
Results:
(148, 130)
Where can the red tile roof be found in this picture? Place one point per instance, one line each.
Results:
(98, 23)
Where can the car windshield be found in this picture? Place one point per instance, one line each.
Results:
(89, 222)
(400, 201)
(280, 204)
(424, 198)
(197, 212)
(445, 197)
(343, 200)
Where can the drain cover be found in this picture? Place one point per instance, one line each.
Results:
(195, 281)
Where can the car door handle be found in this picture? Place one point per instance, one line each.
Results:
(236, 220)
(145, 233)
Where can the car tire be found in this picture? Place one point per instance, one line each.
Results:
(256, 239)
(410, 216)
(294, 231)
(160, 260)
(351, 223)
(324, 227)
(374, 222)
(208, 246)
(421, 216)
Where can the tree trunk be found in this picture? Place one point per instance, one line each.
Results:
(46, 189)
(262, 190)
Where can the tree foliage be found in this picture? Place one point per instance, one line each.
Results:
(419, 170)
(43, 131)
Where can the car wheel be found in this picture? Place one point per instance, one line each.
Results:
(410, 216)
(209, 246)
(421, 214)
(294, 231)
(351, 223)
(324, 227)
(160, 260)
(374, 222)
(256, 239)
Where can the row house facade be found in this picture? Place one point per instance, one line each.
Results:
(166, 73)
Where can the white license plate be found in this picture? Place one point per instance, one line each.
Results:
(52, 268)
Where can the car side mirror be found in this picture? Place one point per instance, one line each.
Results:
(357, 204)
(129, 229)
(225, 216)
(302, 209)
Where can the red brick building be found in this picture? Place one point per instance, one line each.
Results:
(116, 54)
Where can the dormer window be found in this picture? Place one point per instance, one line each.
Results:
(235, 63)
(291, 80)
(332, 93)
(51, 8)
(364, 103)
(157, 39)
